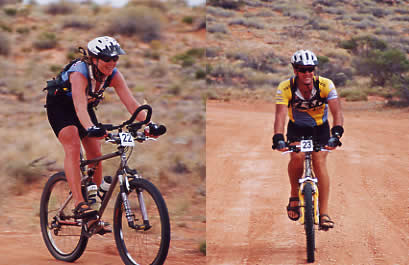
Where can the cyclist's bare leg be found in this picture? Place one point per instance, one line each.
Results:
(71, 143)
(319, 163)
(92, 148)
(295, 171)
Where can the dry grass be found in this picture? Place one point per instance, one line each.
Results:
(316, 25)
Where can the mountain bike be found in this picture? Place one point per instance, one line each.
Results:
(308, 193)
(141, 220)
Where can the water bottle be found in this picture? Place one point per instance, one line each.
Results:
(92, 190)
(104, 187)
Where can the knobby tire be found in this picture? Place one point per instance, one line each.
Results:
(136, 246)
(55, 247)
(309, 222)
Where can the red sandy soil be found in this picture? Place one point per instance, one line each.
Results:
(21, 242)
(248, 189)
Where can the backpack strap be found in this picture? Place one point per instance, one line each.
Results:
(316, 84)
(293, 88)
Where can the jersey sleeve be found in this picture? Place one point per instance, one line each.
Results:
(283, 93)
(328, 89)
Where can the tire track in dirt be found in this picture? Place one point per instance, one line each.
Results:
(247, 190)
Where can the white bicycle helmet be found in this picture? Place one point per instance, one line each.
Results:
(304, 58)
(104, 46)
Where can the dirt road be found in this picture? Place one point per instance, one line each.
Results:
(248, 189)
(21, 242)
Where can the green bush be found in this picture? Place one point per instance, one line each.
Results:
(401, 84)
(144, 22)
(46, 40)
(188, 20)
(382, 66)
(4, 44)
(188, 58)
(363, 45)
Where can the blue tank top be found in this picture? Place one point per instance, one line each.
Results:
(82, 68)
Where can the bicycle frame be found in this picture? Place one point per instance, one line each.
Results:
(124, 186)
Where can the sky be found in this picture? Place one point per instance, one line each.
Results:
(114, 3)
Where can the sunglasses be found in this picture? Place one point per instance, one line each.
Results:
(304, 70)
(107, 59)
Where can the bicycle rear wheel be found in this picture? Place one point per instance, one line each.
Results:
(137, 245)
(309, 221)
(61, 233)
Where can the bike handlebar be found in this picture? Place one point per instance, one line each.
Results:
(134, 126)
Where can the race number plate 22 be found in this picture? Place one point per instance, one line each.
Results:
(306, 146)
(126, 139)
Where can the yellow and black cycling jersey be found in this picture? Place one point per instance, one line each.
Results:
(307, 112)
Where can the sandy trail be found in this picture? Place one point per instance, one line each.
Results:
(21, 242)
(248, 189)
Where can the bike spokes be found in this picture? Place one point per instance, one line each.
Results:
(146, 241)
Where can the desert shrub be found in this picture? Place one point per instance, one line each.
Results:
(217, 28)
(46, 40)
(380, 12)
(227, 4)
(401, 84)
(250, 23)
(188, 58)
(317, 24)
(338, 74)
(200, 74)
(77, 23)
(141, 21)
(334, 10)
(23, 30)
(386, 31)
(400, 18)
(202, 247)
(223, 73)
(260, 61)
(212, 51)
(219, 12)
(353, 95)
(382, 65)
(188, 20)
(10, 11)
(363, 44)
(61, 8)
(252, 3)
(4, 44)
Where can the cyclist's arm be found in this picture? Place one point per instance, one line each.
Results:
(125, 95)
(280, 117)
(79, 84)
(336, 111)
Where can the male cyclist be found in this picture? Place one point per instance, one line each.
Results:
(306, 97)
(70, 111)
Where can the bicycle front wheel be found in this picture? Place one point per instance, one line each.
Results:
(61, 233)
(309, 222)
(142, 242)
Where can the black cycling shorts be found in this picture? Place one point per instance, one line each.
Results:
(61, 113)
(320, 133)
